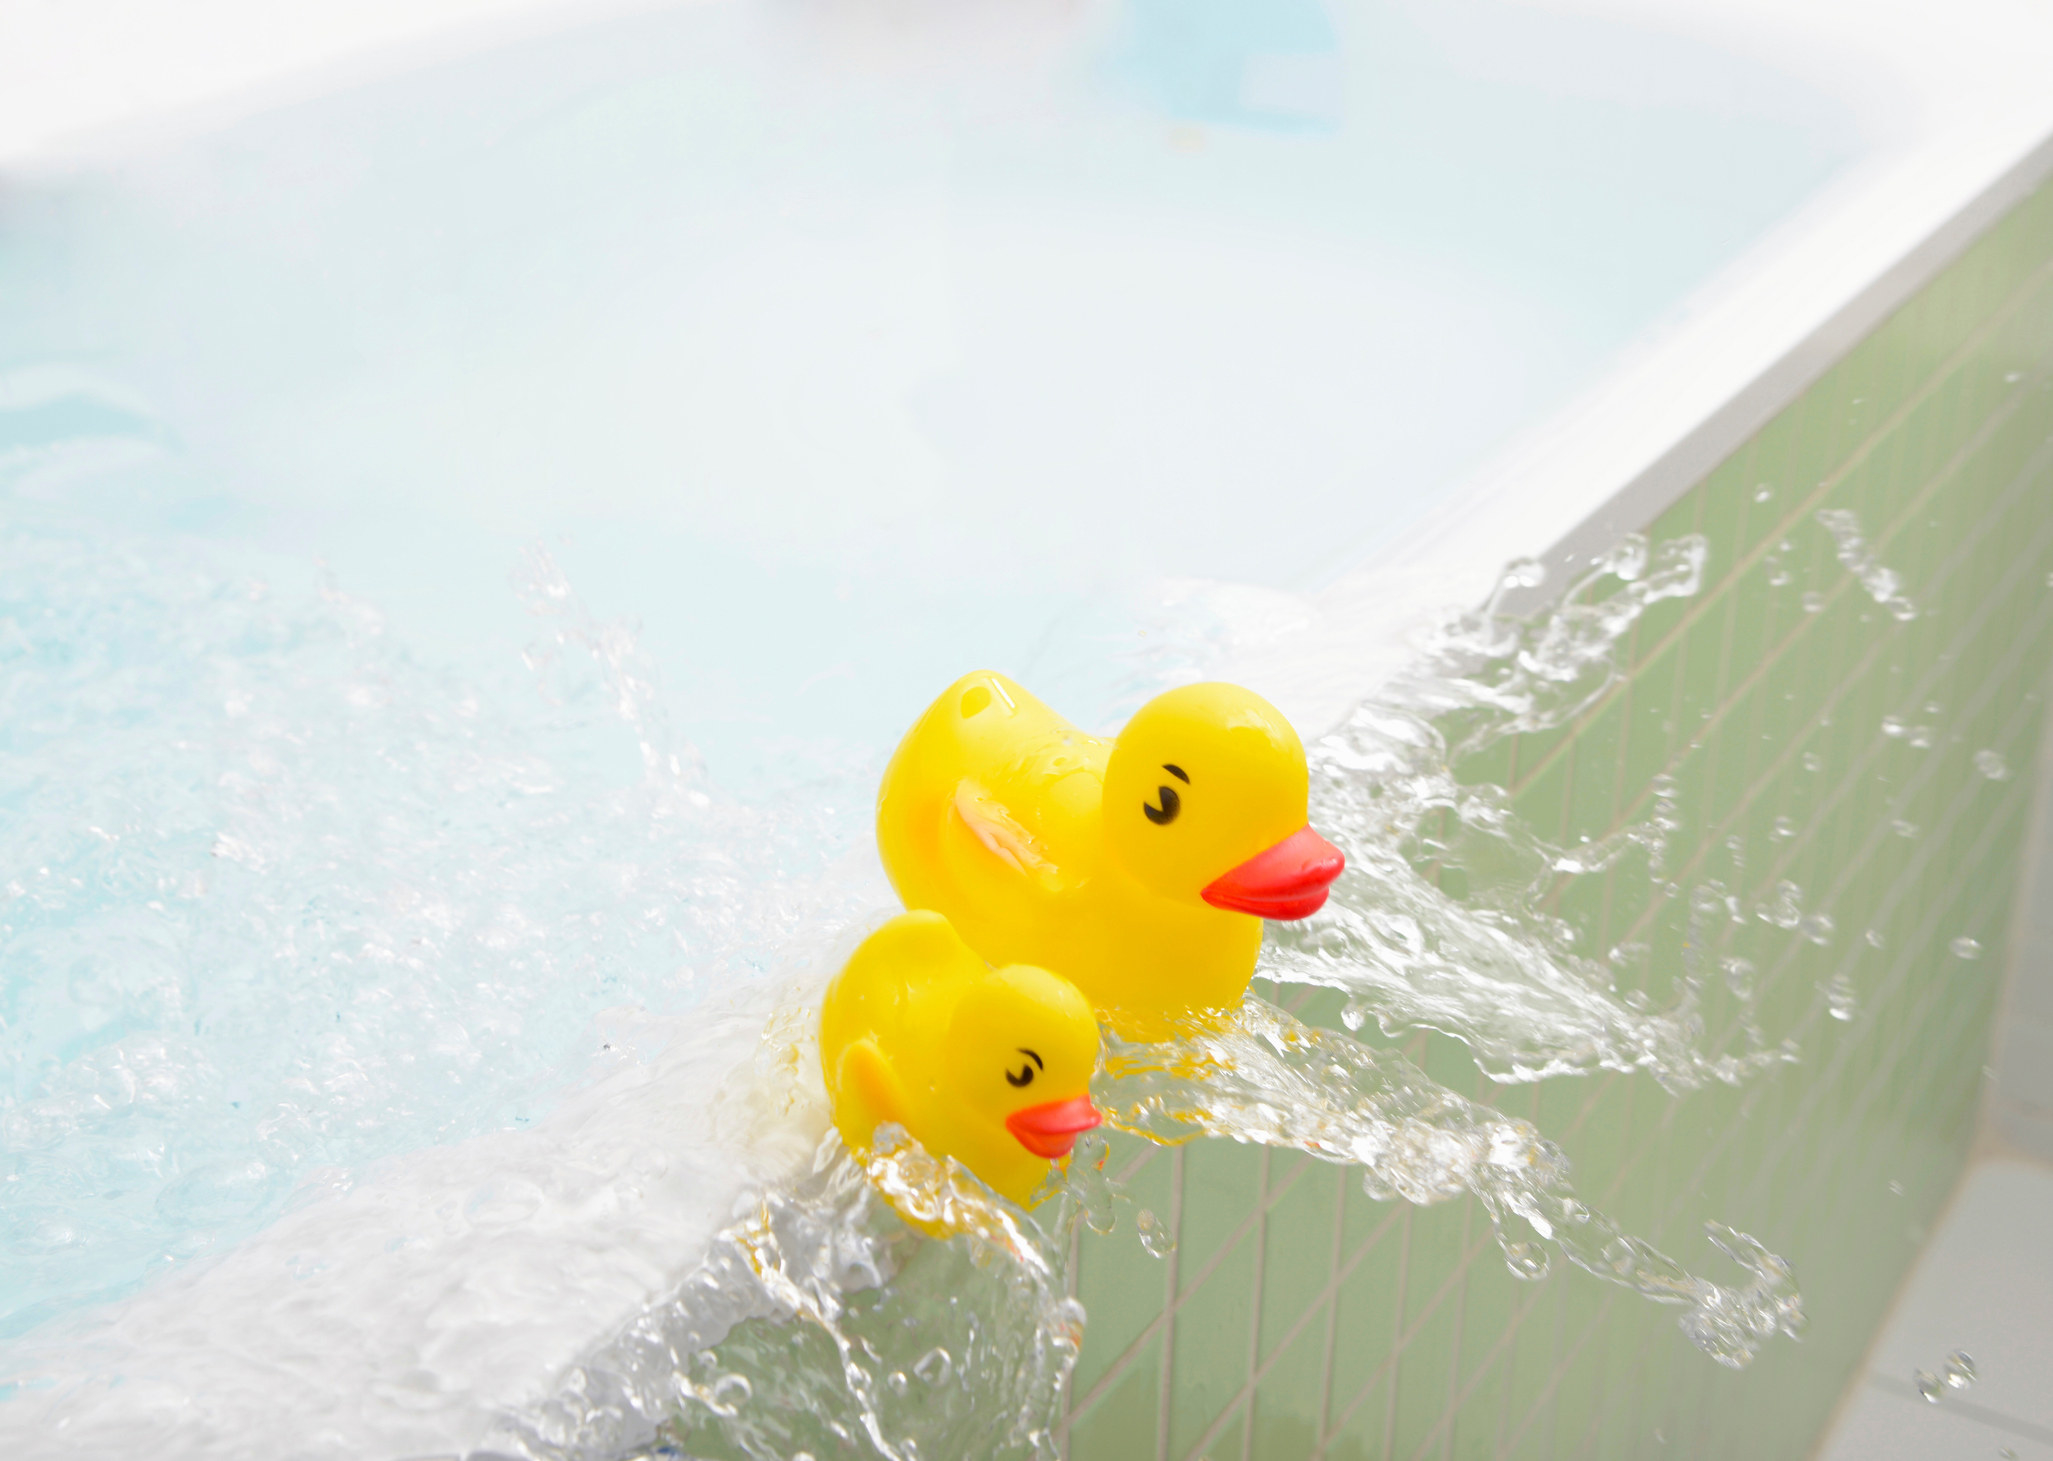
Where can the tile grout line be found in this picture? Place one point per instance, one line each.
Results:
(1165, 1385)
(1945, 370)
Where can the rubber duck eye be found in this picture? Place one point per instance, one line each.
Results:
(1025, 1075)
(1163, 815)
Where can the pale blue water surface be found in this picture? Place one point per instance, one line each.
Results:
(827, 353)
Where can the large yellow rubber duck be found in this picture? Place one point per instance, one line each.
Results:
(1138, 868)
(989, 1066)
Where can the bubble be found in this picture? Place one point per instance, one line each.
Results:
(1893, 727)
(1840, 1000)
(1784, 829)
(1930, 1386)
(1966, 948)
(1882, 583)
(1958, 1371)
(1813, 601)
(1904, 829)
(1154, 1234)
(1786, 910)
(1992, 765)
(1818, 927)
(1812, 761)
(1875, 939)
(1763, 492)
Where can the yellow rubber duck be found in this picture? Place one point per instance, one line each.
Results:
(1139, 868)
(989, 1066)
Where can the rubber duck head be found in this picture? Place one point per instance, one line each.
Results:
(1206, 796)
(1021, 1047)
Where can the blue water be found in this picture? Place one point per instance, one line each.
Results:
(827, 363)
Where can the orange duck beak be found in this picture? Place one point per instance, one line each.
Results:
(1288, 881)
(1051, 1130)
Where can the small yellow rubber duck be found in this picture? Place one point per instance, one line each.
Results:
(989, 1066)
(1139, 868)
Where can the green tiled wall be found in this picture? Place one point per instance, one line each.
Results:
(1297, 1318)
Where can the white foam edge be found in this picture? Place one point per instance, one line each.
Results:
(426, 1307)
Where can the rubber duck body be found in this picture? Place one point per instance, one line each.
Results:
(1139, 867)
(989, 1066)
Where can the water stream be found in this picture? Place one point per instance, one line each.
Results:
(433, 871)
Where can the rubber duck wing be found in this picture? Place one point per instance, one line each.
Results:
(991, 797)
(868, 1093)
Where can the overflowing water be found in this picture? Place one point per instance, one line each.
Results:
(1497, 968)
(821, 1322)
(284, 900)
(1267, 1078)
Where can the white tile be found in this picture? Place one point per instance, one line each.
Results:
(2024, 1059)
(1880, 1426)
(2028, 1128)
(1985, 1285)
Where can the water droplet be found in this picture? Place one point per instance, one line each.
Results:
(1921, 737)
(1965, 948)
(1739, 976)
(935, 1367)
(1785, 828)
(1528, 1261)
(1840, 1000)
(1818, 928)
(1934, 708)
(1895, 1188)
(1893, 727)
(1959, 1370)
(1813, 601)
(2004, 1453)
(2011, 378)
(1929, 1386)
(1992, 765)
(1812, 761)
(898, 1382)
(1875, 939)
(1787, 909)
(1904, 829)
(1155, 1234)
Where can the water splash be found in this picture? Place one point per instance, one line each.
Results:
(1264, 1077)
(1991, 765)
(1883, 584)
(1496, 968)
(1842, 1002)
(822, 1324)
